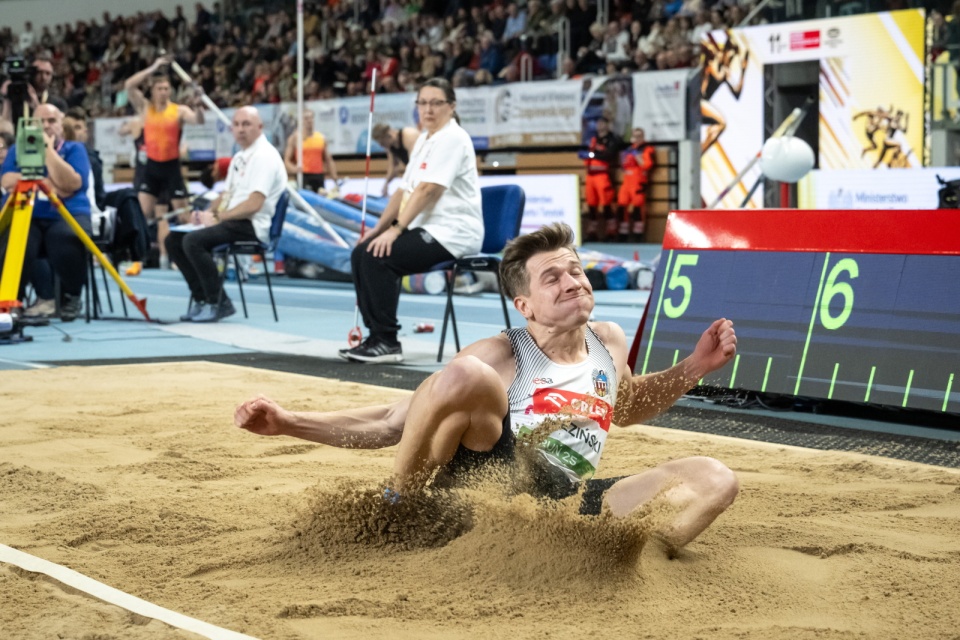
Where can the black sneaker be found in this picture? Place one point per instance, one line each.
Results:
(345, 353)
(376, 350)
(70, 307)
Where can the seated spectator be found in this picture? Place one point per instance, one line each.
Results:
(615, 44)
(516, 23)
(482, 78)
(75, 128)
(491, 57)
(244, 211)
(67, 173)
(6, 141)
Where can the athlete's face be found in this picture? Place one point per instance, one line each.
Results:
(308, 126)
(160, 92)
(560, 294)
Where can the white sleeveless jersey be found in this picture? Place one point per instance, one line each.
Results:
(585, 392)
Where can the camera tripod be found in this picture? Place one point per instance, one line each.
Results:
(17, 214)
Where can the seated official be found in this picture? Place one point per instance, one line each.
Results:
(67, 173)
(243, 212)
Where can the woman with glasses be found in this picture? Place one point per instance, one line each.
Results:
(434, 217)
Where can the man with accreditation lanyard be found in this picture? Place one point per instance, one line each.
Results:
(434, 217)
(244, 211)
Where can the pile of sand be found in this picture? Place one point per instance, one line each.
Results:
(135, 476)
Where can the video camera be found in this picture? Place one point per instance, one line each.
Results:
(949, 195)
(20, 75)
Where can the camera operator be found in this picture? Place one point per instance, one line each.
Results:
(39, 78)
(67, 171)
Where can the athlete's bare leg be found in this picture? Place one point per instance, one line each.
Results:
(465, 403)
(163, 225)
(148, 204)
(715, 123)
(699, 488)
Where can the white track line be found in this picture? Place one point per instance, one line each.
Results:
(116, 597)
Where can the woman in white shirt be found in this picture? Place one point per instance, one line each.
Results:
(435, 217)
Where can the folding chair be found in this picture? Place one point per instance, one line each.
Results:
(502, 214)
(255, 247)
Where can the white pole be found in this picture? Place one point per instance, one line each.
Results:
(300, 94)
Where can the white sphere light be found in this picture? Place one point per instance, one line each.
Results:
(786, 159)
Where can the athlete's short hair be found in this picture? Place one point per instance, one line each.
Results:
(160, 77)
(380, 131)
(514, 277)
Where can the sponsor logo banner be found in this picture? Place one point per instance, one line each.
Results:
(868, 189)
(659, 104)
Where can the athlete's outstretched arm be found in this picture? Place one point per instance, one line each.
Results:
(132, 84)
(642, 397)
(360, 428)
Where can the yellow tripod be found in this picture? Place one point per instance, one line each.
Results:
(17, 214)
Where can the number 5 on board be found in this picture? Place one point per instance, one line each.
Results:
(683, 283)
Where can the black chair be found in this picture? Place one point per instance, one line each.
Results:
(255, 248)
(502, 215)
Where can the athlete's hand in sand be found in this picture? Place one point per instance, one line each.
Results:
(716, 347)
(262, 416)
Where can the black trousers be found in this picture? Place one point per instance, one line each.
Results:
(377, 280)
(53, 238)
(193, 254)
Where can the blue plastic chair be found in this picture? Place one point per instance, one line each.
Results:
(502, 215)
(255, 247)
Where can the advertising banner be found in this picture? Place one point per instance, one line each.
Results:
(659, 104)
(871, 93)
(549, 198)
(522, 114)
(870, 189)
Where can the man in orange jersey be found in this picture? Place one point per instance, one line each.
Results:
(636, 162)
(600, 161)
(316, 155)
(163, 122)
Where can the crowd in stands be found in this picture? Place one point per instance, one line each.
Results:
(250, 57)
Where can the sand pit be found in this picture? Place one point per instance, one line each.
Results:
(135, 476)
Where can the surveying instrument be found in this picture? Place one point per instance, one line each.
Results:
(17, 214)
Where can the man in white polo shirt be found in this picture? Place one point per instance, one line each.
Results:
(244, 211)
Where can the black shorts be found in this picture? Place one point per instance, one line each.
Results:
(547, 482)
(160, 177)
(314, 181)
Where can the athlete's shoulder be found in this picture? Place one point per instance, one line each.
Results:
(611, 334)
(494, 350)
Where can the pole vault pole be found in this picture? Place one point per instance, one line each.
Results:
(300, 94)
(356, 335)
(294, 194)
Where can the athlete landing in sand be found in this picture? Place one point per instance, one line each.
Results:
(559, 369)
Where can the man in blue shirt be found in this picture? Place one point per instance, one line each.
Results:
(66, 173)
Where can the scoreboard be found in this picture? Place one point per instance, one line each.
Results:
(860, 306)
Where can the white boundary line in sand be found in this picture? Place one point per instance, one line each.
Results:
(115, 597)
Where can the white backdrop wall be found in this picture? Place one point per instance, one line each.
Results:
(13, 13)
